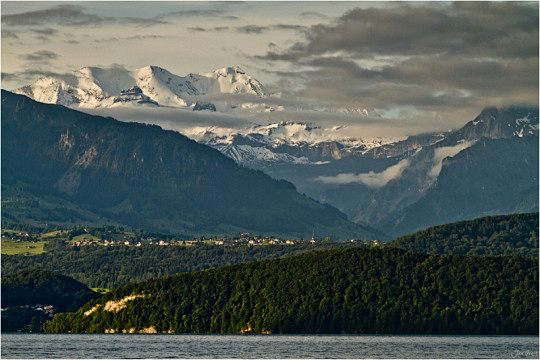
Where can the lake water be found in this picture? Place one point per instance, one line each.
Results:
(152, 346)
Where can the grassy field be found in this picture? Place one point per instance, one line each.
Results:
(83, 237)
(10, 247)
(51, 234)
(100, 290)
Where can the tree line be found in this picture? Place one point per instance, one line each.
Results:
(355, 291)
(494, 235)
(111, 267)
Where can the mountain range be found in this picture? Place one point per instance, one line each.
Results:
(93, 87)
(60, 164)
(487, 167)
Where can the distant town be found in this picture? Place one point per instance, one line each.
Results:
(32, 241)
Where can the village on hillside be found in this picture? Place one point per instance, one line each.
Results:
(31, 241)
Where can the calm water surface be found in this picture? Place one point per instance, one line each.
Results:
(152, 346)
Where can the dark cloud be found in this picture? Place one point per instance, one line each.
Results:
(249, 29)
(256, 29)
(9, 76)
(313, 14)
(9, 34)
(287, 27)
(194, 13)
(426, 84)
(214, 29)
(197, 29)
(61, 14)
(219, 9)
(106, 40)
(39, 56)
(141, 21)
(46, 31)
(130, 38)
(487, 29)
(145, 37)
(42, 38)
(71, 15)
(428, 56)
(29, 74)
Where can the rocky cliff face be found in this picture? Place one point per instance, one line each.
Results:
(500, 123)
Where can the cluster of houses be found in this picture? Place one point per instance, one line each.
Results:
(18, 236)
(45, 309)
(243, 239)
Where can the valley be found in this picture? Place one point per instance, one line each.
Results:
(395, 183)
(100, 170)
(119, 261)
(320, 179)
(147, 214)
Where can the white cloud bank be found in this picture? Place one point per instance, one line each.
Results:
(445, 152)
(370, 179)
(377, 180)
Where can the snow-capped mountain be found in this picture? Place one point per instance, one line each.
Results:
(93, 87)
(500, 123)
(489, 166)
(252, 144)
(284, 143)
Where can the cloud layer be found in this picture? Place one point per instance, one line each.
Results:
(426, 66)
(433, 57)
(370, 179)
(445, 152)
(71, 15)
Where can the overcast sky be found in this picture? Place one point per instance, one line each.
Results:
(418, 66)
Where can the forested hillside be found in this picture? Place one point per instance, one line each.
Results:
(495, 235)
(26, 293)
(363, 291)
(111, 267)
(492, 177)
(63, 166)
(34, 286)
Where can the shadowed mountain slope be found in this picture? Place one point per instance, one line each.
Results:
(143, 176)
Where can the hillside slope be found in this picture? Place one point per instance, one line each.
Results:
(143, 176)
(492, 177)
(27, 293)
(34, 286)
(363, 291)
(494, 235)
(488, 167)
(114, 266)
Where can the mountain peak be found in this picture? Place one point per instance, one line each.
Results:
(93, 87)
(150, 69)
(231, 70)
(504, 122)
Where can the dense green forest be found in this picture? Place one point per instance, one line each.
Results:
(363, 291)
(31, 287)
(495, 235)
(111, 267)
(34, 286)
